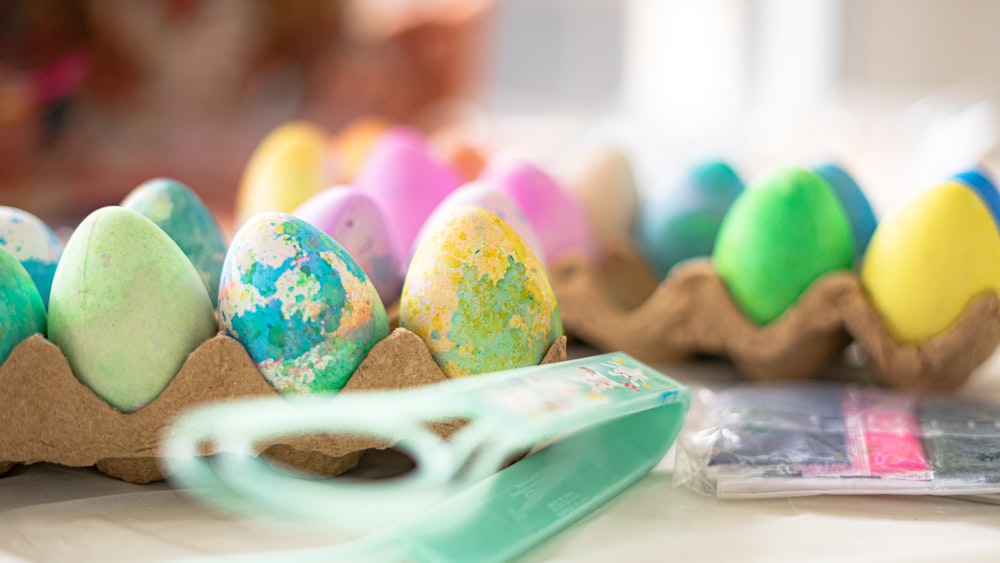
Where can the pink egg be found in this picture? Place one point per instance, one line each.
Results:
(555, 217)
(406, 181)
(481, 194)
(352, 218)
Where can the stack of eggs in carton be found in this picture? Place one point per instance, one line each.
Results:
(781, 276)
(131, 333)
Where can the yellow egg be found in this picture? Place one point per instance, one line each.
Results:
(287, 168)
(926, 262)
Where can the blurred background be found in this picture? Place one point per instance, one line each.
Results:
(97, 96)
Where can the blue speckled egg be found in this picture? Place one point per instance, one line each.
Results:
(21, 310)
(34, 245)
(305, 311)
(683, 224)
(182, 215)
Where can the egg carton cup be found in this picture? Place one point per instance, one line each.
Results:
(47, 415)
(618, 305)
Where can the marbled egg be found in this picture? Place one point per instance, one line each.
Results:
(682, 223)
(288, 167)
(33, 243)
(600, 178)
(407, 182)
(859, 210)
(980, 182)
(555, 217)
(306, 312)
(780, 236)
(353, 219)
(22, 312)
(491, 199)
(127, 307)
(929, 258)
(478, 296)
(182, 215)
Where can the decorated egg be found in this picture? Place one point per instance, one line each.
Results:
(682, 223)
(491, 199)
(302, 307)
(478, 297)
(780, 236)
(353, 219)
(288, 167)
(463, 157)
(353, 143)
(601, 179)
(859, 210)
(127, 307)
(22, 312)
(555, 217)
(980, 182)
(406, 181)
(929, 259)
(181, 214)
(33, 244)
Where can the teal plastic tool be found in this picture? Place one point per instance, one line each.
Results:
(597, 424)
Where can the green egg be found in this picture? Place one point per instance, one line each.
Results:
(127, 307)
(22, 312)
(779, 237)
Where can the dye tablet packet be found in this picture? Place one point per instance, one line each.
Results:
(807, 438)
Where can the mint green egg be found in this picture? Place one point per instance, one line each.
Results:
(127, 307)
(22, 312)
(780, 236)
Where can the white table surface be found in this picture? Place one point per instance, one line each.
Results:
(52, 513)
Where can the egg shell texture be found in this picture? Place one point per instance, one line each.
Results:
(287, 167)
(353, 219)
(22, 312)
(182, 215)
(33, 243)
(556, 218)
(684, 222)
(306, 312)
(491, 199)
(929, 259)
(780, 236)
(478, 297)
(406, 181)
(127, 307)
(855, 203)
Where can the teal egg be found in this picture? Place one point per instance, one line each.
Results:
(305, 311)
(855, 203)
(33, 243)
(182, 215)
(683, 223)
(780, 236)
(22, 312)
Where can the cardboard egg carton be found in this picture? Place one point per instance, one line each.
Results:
(618, 305)
(47, 415)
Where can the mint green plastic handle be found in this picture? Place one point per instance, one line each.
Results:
(610, 419)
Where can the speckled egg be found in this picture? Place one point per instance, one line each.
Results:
(127, 307)
(22, 313)
(780, 236)
(406, 181)
(353, 219)
(556, 218)
(683, 222)
(929, 258)
(33, 243)
(478, 296)
(491, 199)
(182, 215)
(306, 312)
(289, 166)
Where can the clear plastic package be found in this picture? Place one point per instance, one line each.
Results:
(807, 438)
